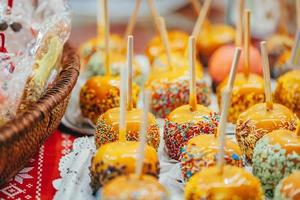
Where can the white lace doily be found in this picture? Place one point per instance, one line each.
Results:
(75, 178)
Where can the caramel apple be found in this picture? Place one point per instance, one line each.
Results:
(212, 37)
(132, 187)
(288, 89)
(201, 152)
(233, 183)
(276, 155)
(178, 44)
(119, 158)
(99, 94)
(107, 129)
(182, 124)
(288, 188)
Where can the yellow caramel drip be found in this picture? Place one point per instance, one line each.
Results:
(290, 186)
(288, 140)
(124, 152)
(133, 119)
(233, 183)
(267, 120)
(183, 114)
(210, 144)
(145, 187)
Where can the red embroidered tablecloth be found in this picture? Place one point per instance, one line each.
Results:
(35, 180)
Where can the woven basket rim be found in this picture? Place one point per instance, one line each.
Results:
(60, 89)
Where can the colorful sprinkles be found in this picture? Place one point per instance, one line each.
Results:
(166, 96)
(105, 133)
(247, 134)
(241, 102)
(106, 171)
(271, 163)
(177, 135)
(194, 158)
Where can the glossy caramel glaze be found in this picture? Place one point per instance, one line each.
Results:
(133, 119)
(119, 158)
(178, 42)
(97, 95)
(288, 140)
(289, 188)
(233, 183)
(123, 152)
(214, 36)
(261, 118)
(288, 89)
(244, 85)
(102, 84)
(134, 188)
(183, 114)
(211, 144)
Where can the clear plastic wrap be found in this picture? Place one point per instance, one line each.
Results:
(34, 50)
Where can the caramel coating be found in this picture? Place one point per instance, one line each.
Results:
(119, 158)
(288, 91)
(183, 114)
(233, 183)
(276, 45)
(257, 121)
(134, 188)
(178, 43)
(246, 92)
(99, 94)
(213, 36)
(201, 152)
(289, 188)
(107, 129)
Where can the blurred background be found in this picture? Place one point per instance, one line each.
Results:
(179, 14)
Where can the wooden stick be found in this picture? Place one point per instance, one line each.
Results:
(100, 19)
(239, 24)
(122, 123)
(129, 72)
(233, 70)
(196, 6)
(266, 72)
(201, 18)
(295, 57)
(226, 94)
(132, 20)
(247, 36)
(282, 26)
(165, 40)
(298, 13)
(143, 134)
(192, 57)
(154, 13)
(106, 37)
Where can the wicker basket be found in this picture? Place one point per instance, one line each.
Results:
(21, 138)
